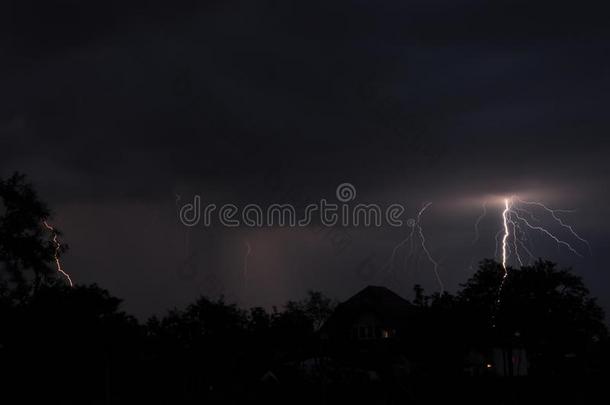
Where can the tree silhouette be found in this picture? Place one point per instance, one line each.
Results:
(75, 345)
(540, 307)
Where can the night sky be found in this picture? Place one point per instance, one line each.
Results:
(121, 113)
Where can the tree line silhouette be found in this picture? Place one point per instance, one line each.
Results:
(64, 345)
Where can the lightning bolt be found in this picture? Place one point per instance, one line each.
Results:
(417, 230)
(505, 221)
(549, 234)
(425, 249)
(498, 234)
(57, 244)
(478, 222)
(401, 243)
(516, 221)
(553, 213)
(505, 235)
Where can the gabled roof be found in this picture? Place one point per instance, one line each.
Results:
(389, 307)
(379, 297)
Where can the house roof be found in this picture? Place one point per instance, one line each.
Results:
(390, 308)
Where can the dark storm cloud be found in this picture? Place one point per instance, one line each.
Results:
(128, 103)
(235, 86)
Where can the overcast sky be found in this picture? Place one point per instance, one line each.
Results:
(120, 114)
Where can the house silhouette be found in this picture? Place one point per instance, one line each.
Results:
(374, 314)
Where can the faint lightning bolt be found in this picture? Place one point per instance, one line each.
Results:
(417, 230)
(529, 213)
(425, 249)
(56, 252)
(553, 213)
(549, 234)
(498, 234)
(529, 253)
(515, 241)
(401, 243)
(478, 222)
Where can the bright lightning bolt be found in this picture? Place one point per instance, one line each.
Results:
(513, 219)
(506, 233)
(505, 221)
(56, 253)
(513, 232)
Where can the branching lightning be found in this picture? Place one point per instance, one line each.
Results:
(416, 228)
(516, 221)
(553, 213)
(57, 244)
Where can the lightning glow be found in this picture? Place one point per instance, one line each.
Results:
(57, 244)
